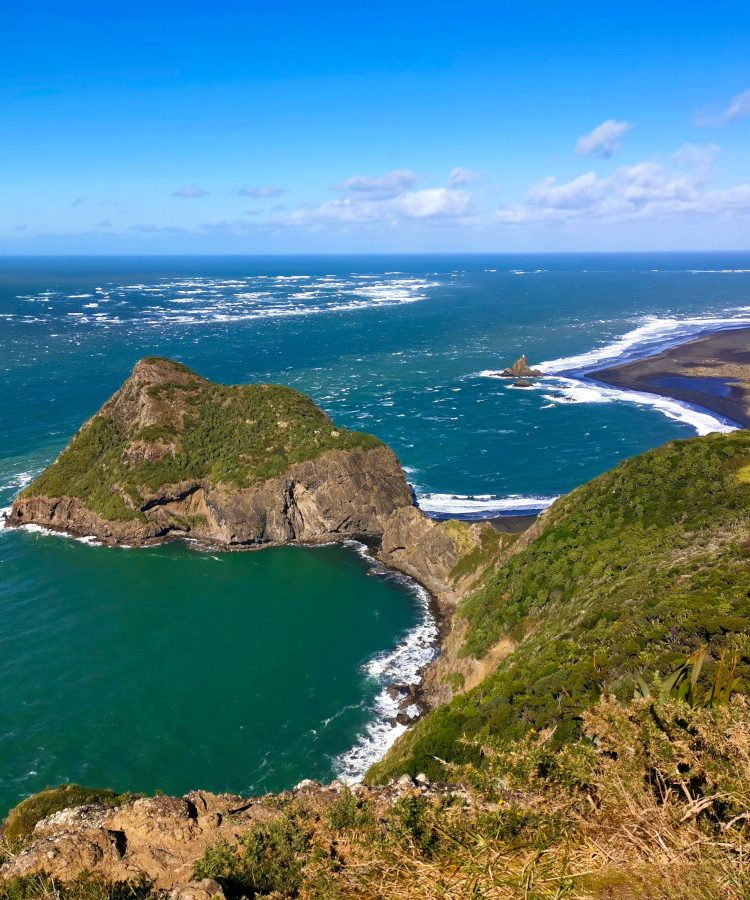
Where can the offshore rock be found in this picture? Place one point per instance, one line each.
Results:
(521, 369)
(174, 455)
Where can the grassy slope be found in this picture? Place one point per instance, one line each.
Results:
(632, 571)
(236, 435)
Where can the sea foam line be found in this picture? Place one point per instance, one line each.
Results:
(401, 665)
(567, 378)
(651, 337)
(585, 390)
(481, 506)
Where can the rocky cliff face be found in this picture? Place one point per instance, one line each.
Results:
(172, 455)
(340, 494)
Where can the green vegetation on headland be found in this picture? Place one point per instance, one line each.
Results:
(631, 573)
(606, 754)
(237, 435)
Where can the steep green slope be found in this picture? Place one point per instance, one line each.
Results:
(630, 573)
(167, 425)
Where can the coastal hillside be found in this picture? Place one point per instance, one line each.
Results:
(174, 455)
(603, 755)
(627, 575)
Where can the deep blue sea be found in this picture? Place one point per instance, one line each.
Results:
(400, 346)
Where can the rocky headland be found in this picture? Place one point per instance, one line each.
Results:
(172, 455)
(588, 728)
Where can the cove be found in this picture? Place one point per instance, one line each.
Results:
(168, 667)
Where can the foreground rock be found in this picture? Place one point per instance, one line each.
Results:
(160, 839)
(174, 455)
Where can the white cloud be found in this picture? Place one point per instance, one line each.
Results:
(262, 191)
(429, 204)
(460, 176)
(739, 107)
(433, 203)
(604, 140)
(389, 185)
(696, 156)
(646, 190)
(191, 191)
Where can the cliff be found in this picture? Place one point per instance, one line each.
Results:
(630, 573)
(560, 755)
(174, 455)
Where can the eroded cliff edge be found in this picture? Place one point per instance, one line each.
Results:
(173, 455)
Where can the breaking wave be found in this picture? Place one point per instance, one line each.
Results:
(481, 506)
(651, 337)
(403, 665)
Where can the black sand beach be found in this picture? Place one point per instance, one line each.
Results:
(712, 372)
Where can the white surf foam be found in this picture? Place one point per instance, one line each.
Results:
(17, 481)
(50, 532)
(401, 665)
(566, 382)
(573, 390)
(653, 335)
(480, 506)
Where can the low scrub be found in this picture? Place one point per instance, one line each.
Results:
(631, 573)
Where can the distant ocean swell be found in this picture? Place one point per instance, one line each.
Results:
(198, 301)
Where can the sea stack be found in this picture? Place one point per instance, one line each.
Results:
(521, 369)
(172, 454)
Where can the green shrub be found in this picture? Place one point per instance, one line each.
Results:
(19, 825)
(632, 572)
(347, 811)
(85, 887)
(269, 858)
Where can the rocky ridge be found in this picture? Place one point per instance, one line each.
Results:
(360, 491)
(158, 840)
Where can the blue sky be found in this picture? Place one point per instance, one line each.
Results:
(232, 127)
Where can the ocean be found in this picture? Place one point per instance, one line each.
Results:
(173, 669)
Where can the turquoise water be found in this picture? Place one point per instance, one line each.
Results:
(173, 669)
(165, 668)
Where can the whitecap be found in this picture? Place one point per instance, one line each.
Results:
(573, 390)
(17, 481)
(481, 506)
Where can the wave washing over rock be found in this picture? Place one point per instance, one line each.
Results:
(403, 665)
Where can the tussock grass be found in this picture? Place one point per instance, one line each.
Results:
(653, 803)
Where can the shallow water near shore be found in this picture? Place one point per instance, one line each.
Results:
(169, 668)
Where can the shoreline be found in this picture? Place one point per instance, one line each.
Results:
(709, 373)
(408, 660)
